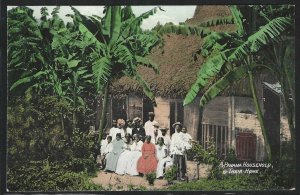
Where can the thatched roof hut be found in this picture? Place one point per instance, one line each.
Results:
(177, 59)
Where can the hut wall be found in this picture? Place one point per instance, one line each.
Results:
(216, 112)
(245, 119)
(162, 112)
(191, 118)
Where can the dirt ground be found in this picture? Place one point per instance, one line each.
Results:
(115, 182)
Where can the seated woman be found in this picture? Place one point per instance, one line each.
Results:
(134, 155)
(123, 159)
(112, 157)
(163, 159)
(147, 162)
(105, 149)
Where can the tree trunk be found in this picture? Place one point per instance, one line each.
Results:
(259, 114)
(74, 111)
(103, 113)
(290, 111)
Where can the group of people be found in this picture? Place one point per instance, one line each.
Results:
(138, 149)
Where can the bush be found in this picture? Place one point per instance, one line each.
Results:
(170, 173)
(231, 156)
(48, 176)
(151, 177)
(286, 168)
(208, 156)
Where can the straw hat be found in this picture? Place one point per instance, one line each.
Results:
(177, 123)
(156, 124)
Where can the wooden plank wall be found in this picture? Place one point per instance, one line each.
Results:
(216, 112)
(192, 118)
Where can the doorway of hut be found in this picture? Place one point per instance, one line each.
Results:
(147, 107)
(176, 114)
(118, 108)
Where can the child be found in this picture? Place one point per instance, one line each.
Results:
(107, 149)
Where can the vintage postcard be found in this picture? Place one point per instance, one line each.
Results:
(150, 98)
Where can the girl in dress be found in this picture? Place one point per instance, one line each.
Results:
(163, 159)
(148, 161)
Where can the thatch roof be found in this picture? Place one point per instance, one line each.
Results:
(205, 13)
(177, 60)
(178, 66)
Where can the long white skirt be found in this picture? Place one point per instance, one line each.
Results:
(133, 158)
(162, 164)
(122, 162)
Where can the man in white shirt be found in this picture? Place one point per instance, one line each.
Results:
(114, 130)
(167, 139)
(177, 151)
(149, 125)
(187, 138)
(129, 127)
(157, 133)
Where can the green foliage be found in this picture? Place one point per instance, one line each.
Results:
(40, 157)
(232, 182)
(170, 173)
(228, 79)
(151, 177)
(207, 156)
(217, 21)
(48, 176)
(285, 173)
(208, 71)
(231, 156)
(121, 44)
(237, 17)
(182, 30)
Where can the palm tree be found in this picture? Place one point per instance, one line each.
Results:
(232, 56)
(120, 45)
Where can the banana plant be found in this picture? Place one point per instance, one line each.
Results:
(47, 57)
(230, 57)
(120, 45)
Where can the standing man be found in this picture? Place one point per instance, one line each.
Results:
(149, 125)
(138, 129)
(177, 150)
(157, 133)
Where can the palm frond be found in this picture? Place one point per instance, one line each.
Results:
(184, 30)
(238, 19)
(265, 35)
(102, 72)
(89, 37)
(144, 85)
(227, 80)
(217, 21)
(28, 79)
(148, 63)
(208, 71)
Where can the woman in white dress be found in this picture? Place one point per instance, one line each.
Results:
(113, 156)
(133, 156)
(163, 159)
(123, 159)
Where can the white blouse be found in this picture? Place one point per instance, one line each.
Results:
(160, 151)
